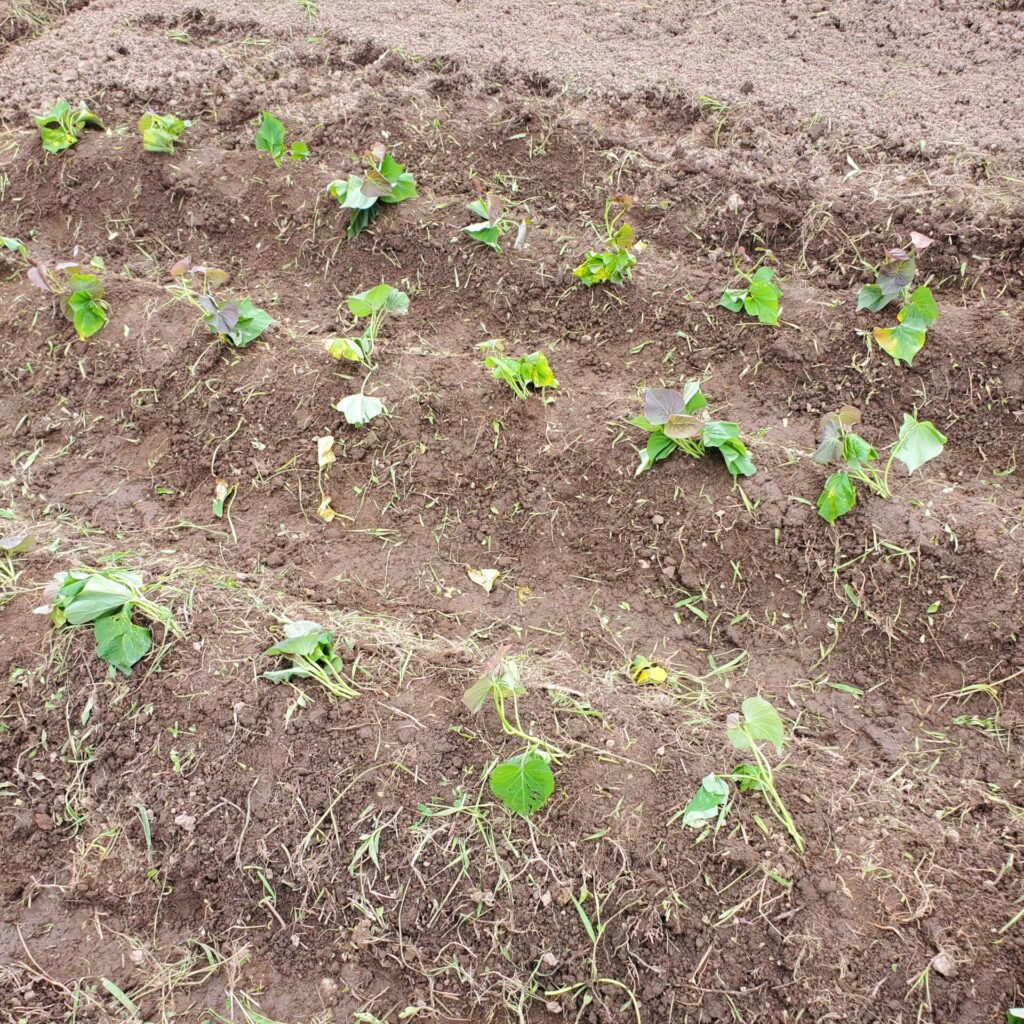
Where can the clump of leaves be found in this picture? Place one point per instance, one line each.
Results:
(678, 419)
(161, 132)
(385, 181)
(894, 277)
(614, 263)
(523, 373)
(373, 306)
(524, 782)
(270, 138)
(918, 442)
(108, 599)
(11, 545)
(309, 650)
(60, 127)
(759, 723)
(78, 290)
(759, 298)
(237, 321)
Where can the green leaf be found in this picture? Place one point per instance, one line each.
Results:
(523, 783)
(737, 461)
(119, 995)
(534, 370)
(486, 234)
(760, 722)
(732, 299)
(98, 594)
(14, 245)
(270, 137)
(918, 442)
(359, 409)
(1015, 1015)
(837, 497)
(706, 802)
(659, 447)
(857, 452)
(87, 314)
(298, 150)
(872, 297)
(920, 310)
(762, 299)
(251, 323)
(748, 777)
(119, 641)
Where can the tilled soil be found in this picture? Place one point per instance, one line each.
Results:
(199, 840)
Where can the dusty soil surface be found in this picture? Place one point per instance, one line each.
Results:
(192, 842)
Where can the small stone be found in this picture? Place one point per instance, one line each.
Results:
(945, 965)
(186, 822)
(657, 520)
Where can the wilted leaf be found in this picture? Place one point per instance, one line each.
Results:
(760, 722)
(324, 511)
(706, 802)
(918, 442)
(325, 450)
(485, 578)
(17, 544)
(359, 409)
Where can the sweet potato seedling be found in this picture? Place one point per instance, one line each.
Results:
(918, 310)
(614, 263)
(524, 782)
(759, 298)
(79, 292)
(108, 599)
(309, 650)
(161, 132)
(491, 225)
(760, 723)
(385, 181)
(678, 420)
(522, 374)
(60, 127)
(238, 322)
(270, 138)
(373, 306)
(13, 250)
(918, 442)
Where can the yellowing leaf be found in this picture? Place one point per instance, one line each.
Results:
(523, 594)
(325, 451)
(646, 672)
(325, 512)
(485, 578)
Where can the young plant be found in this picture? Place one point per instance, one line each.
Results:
(492, 225)
(60, 127)
(13, 254)
(108, 599)
(918, 310)
(385, 181)
(161, 132)
(760, 297)
(238, 322)
(894, 277)
(678, 419)
(614, 263)
(524, 782)
(761, 724)
(79, 292)
(270, 139)
(918, 442)
(309, 650)
(373, 306)
(520, 374)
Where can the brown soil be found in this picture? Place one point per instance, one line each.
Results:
(327, 860)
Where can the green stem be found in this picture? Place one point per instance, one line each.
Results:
(775, 803)
(517, 729)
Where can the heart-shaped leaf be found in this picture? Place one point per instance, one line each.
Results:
(523, 783)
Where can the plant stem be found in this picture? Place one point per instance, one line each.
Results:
(775, 804)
